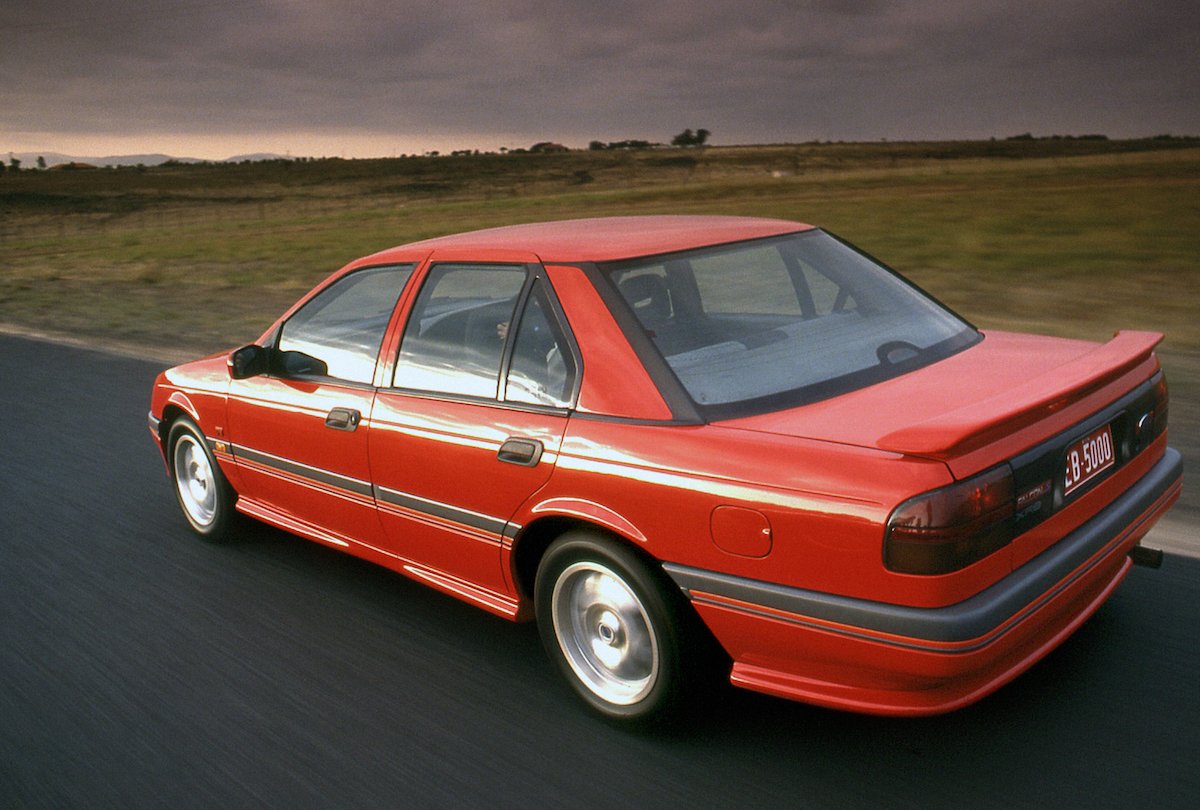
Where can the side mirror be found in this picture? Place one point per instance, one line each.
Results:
(248, 361)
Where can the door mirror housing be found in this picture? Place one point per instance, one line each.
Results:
(248, 361)
(299, 364)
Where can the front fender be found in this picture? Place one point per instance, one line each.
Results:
(181, 400)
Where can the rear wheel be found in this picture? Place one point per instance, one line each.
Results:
(203, 493)
(611, 626)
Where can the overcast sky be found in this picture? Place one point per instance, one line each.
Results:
(359, 78)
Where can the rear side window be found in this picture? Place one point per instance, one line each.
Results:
(541, 368)
(338, 333)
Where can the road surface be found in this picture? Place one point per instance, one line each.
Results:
(140, 667)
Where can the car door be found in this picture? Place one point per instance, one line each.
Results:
(299, 432)
(484, 380)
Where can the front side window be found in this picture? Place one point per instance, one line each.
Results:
(338, 333)
(455, 337)
(779, 322)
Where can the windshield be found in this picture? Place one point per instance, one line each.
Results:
(778, 322)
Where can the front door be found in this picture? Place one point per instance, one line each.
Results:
(300, 432)
(303, 457)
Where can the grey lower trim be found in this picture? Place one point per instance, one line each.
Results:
(1017, 595)
(436, 509)
(154, 422)
(441, 510)
(332, 479)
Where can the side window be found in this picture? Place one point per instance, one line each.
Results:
(338, 333)
(454, 340)
(542, 369)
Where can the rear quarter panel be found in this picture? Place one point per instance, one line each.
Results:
(826, 504)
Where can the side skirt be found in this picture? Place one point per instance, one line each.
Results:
(498, 603)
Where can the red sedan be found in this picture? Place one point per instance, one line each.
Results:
(665, 437)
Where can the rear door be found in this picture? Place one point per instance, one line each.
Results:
(471, 425)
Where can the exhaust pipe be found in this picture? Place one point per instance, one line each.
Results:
(1149, 557)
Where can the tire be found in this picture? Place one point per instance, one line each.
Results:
(612, 627)
(201, 489)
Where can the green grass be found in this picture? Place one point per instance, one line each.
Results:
(1067, 237)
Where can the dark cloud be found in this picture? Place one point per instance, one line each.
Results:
(749, 70)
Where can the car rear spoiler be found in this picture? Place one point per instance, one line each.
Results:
(980, 423)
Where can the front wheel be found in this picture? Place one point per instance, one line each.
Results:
(204, 496)
(610, 626)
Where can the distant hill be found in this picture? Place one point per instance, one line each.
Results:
(255, 157)
(29, 159)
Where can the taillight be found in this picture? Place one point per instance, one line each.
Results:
(1151, 423)
(950, 528)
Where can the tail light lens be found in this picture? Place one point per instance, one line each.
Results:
(950, 528)
(1153, 422)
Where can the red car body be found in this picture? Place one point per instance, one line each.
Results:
(784, 529)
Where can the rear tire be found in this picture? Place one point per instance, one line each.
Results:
(612, 627)
(201, 489)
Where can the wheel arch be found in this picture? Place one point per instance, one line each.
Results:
(535, 538)
(705, 663)
(530, 545)
(177, 405)
(172, 412)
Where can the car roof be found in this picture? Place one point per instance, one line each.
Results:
(603, 239)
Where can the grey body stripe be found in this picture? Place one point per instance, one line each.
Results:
(441, 510)
(304, 471)
(1015, 596)
(436, 509)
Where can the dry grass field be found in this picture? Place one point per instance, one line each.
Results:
(1065, 237)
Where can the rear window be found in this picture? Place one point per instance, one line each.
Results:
(766, 324)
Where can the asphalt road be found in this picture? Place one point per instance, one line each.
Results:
(142, 668)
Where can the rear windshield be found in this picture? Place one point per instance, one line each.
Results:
(774, 323)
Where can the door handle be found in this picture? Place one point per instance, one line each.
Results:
(522, 452)
(343, 419)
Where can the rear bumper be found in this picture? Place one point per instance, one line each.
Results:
(891, 659)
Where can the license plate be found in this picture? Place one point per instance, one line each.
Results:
(1088, 458)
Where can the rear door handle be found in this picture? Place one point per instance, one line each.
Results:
(343, 419)
(522, 452)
